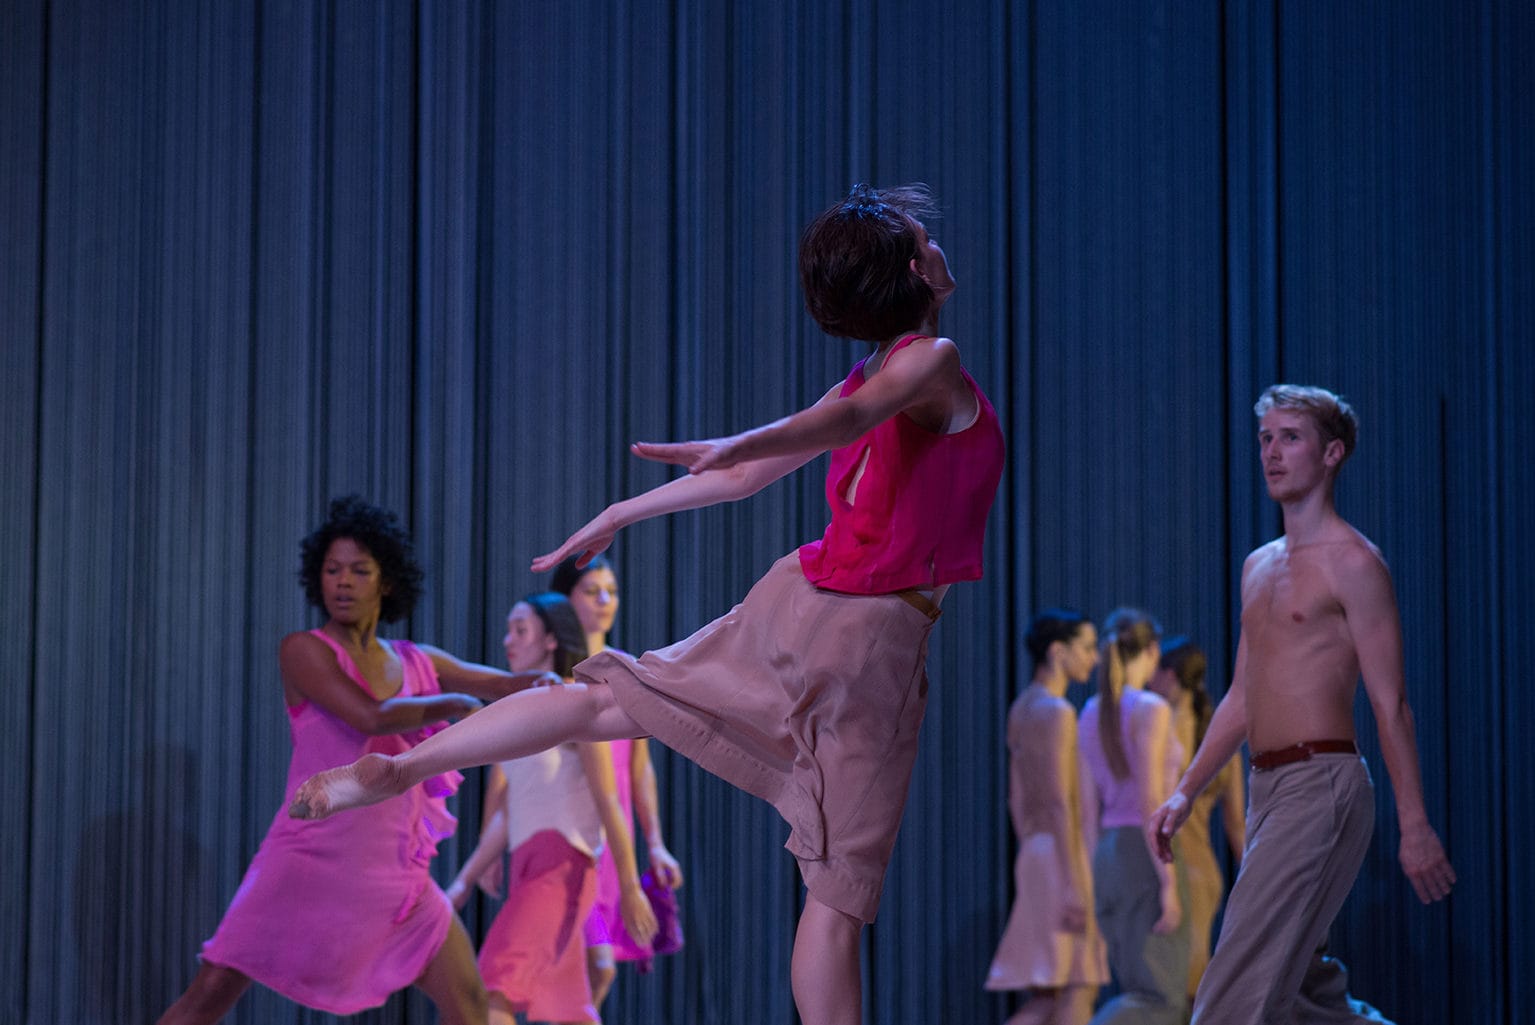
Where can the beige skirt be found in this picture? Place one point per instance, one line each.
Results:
(807, 698)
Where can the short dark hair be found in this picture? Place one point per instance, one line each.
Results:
(379, 531)
(567, 574)
(855, 263)
(1050, 626)
(559, 618)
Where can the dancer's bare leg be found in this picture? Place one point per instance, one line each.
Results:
(501, 1012)
(213, 993)
(1039, 1009)
(522, 724)
(601, 972)
(452, 981)
(1075, 1005)
(827, 987)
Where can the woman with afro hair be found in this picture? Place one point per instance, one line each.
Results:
(337, 915)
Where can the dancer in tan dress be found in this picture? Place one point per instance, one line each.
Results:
(1051, 947)
(1180, 681)
(811, 692)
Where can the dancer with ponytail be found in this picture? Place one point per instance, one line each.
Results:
(1180, 681)
(810, 693)
(1130, 763)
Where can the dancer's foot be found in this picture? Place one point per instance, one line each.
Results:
(370, 779)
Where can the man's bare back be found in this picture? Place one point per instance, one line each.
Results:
(1302, 664)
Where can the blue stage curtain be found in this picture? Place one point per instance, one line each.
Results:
(456, 255)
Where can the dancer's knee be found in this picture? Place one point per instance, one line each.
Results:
(608, 718)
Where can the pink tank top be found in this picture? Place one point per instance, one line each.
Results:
(920, 514)
(1120, 799)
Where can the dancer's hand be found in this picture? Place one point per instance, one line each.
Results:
(695, 456)
(457, 894)
(1424, 861)
(664, 867)
(1164, 822)
(1073, 913)
(493, 879)
(639, 917)
(588, 542)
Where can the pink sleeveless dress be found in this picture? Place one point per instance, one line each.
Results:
(340, 913)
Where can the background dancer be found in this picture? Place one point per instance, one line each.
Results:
(1051, 946)
(810, 693)
(1131, 761)
(559, 809)
(1180, 681)
(1318, 613)
(339, 914)
(593, 591)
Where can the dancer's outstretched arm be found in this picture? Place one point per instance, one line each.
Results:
(597, 763)
(925, 374)
(695, 491)
(484, 682)
(514, 727)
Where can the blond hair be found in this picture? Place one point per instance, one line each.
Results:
(1334, 418)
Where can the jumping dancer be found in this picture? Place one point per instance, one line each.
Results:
(810, 693)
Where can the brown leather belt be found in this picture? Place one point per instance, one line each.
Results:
(919, 601)
(1263, 761)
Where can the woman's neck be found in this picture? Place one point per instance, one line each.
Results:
(360, 636)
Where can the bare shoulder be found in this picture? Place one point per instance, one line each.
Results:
(436, 654)
(1150, 707)
(929, 356)
(1357, 553)
(1261, 556)
(1358, 570)
(301, 646)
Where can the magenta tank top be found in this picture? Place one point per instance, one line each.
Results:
(920, 515)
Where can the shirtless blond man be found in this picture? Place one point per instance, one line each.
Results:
(1318, 613)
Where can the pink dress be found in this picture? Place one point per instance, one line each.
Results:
(340, 913)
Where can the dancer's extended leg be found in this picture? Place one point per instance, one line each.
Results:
(824, 971)
(523, 724)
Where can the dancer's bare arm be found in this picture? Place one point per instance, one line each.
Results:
(1228, 728)
(1363, 585)
(639, 919)
(493, 879)
(693, 491)
(309, 670)
(487, 854)
(1152, 724)
(1088, 791)
(1062, 813)
(924, 374)
(647, 808)
(485, 682)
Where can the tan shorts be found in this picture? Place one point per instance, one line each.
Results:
(807, 698)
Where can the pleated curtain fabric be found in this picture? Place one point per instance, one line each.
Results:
(456, 256)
